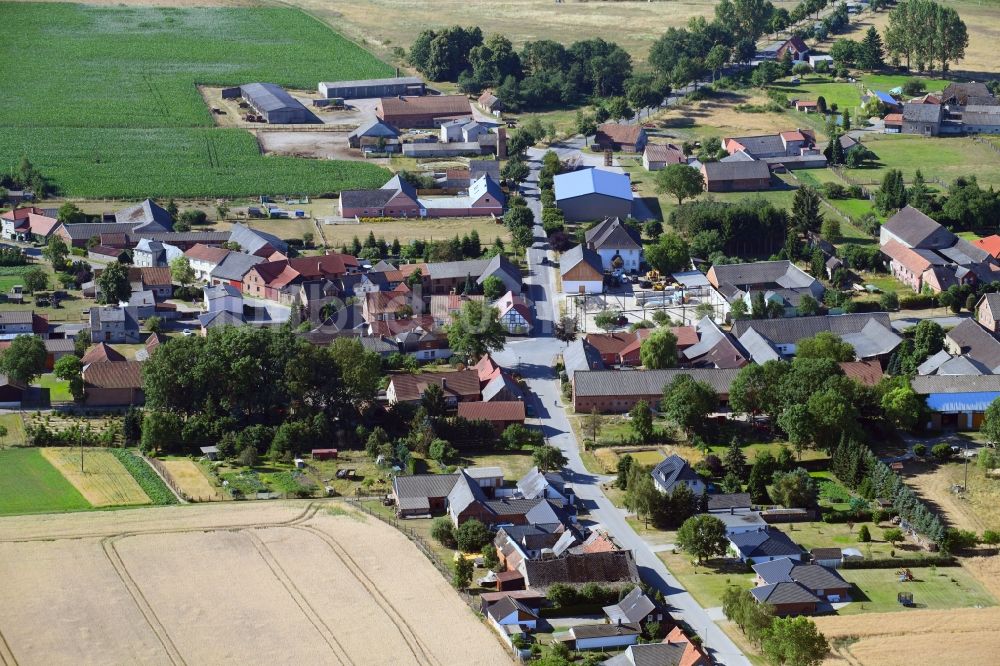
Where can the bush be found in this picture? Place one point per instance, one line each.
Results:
(919, 450)
(941, 452)
(443, 532)
(471, 536)
(864, 536)
(834, 190)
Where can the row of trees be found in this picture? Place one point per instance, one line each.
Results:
(543, 74)
(925, 32)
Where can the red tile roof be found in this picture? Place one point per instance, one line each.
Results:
(487, 368)
(462, 384)
(42, 225)
(610, 343)
(990, 243)
(114, 375)
(625, 134)
(500, 410)
(101, 353)
(867, 373)
(202, 252)
(22, 213)
(793, 135)
(687, 336)
(669, 153)
(439, 105)
(893, 119)
(909, 259)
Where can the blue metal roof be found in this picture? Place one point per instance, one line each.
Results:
(886, 98)
(961, 402)
(593, 181)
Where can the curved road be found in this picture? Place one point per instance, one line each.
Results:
(534, 358)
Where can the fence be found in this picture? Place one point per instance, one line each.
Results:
(162, 472)
(421, 545)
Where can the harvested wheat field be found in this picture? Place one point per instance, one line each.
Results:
(238, 582)
(966, 635)
(103, 481)
(189, 478)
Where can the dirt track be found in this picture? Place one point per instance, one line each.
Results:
(241, 582)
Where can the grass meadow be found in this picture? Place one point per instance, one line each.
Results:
(109, 107)
(30, 484)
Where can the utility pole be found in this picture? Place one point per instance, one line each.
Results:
(80, 440)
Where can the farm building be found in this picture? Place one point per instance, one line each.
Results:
(957, 401)
(113, 383)
(593, 194)
(275, 104)
(626, 138)
(374, 136)
(604, 636)
(658, 156)
(429, 111)
(616, 392)
(400, 85)
(490, 102)
(924, 119)
(736, 176)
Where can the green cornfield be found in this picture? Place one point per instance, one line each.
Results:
(104, 100)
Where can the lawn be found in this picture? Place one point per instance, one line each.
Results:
(135, 124)
(941, 158)
(707, 583)
(103, 481)
(932, 588)
(15, 430)
(514, 465)
(58, 388)
(30, 484)
(844, 95)
(841, 535)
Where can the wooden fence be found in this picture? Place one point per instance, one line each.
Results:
(422, 546)
(161, 470)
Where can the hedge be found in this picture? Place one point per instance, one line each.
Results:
(898, 562)
(847, 517)
(918, 302)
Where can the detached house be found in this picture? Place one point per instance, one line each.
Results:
(204, 259)
(459, 386)
(114, 324)
(618, 244)
(658, 156)
(626, 138)
(674, 471)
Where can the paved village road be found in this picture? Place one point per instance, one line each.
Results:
(534, 359)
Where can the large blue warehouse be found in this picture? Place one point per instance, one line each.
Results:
(593, 194)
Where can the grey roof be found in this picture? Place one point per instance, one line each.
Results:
(604, 630)
(922, 113)
(501, 609)
(252, 240)
(917, 230)
(613, 234)
(960, 92)
(498, 384)
(767, 143)
(783, 593)
(465, 492)
(423, 485)
(489, 168)
(976, 343)
(736, 171)
(220, 291)
(811, 576)
(727, 501)
(742, 520)
(771, 542)
(378, 345)
(482, 185)
(715, 348)
(633, 608)
(498, 264)
(601, 567)
(570, 258)
(205, 237)
(874, 339)
(8, 317)
(219, 318)
(927, 384)
(960, 365)
(738, 156)
(758, 347)
(649, 654)
(532, 484)
(234, 266)
(981, 117)
(147, 216)
(269, 97)
(763, 273)
(646, 382)
(933, 362)
(672, 470)
(581, 355)
(87, 230)
(993, 303)
(366, 198)
(393, 80)
(375, 128)
(793, 329)
(965, 253)
(544, 512)
(450, 270)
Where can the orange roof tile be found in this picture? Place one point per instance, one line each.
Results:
(990, 243)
